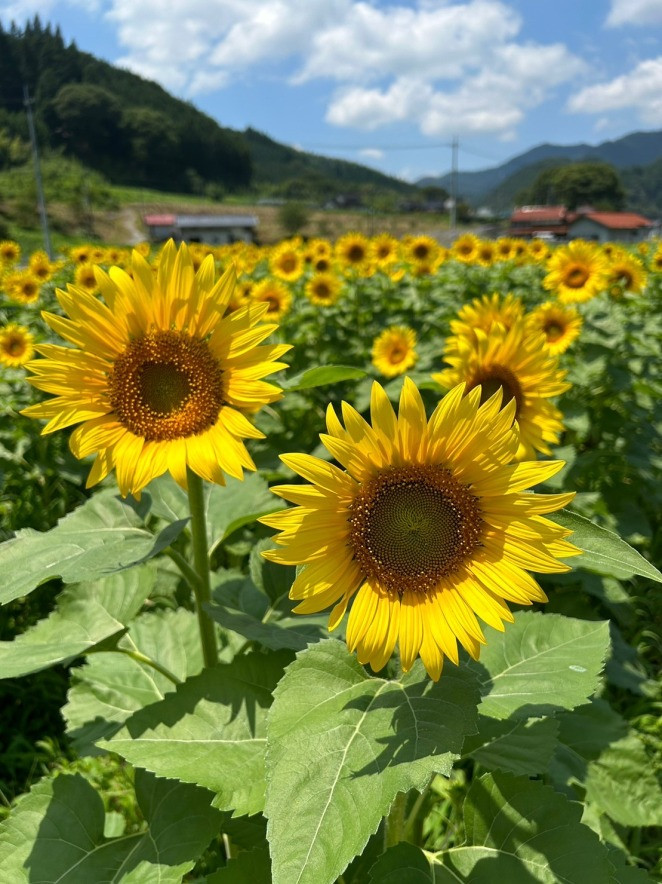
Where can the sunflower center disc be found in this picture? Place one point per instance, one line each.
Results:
(499, 377)
(576, 277)
(15, 346)
(412, 526)
(166, 385)
(553, 331)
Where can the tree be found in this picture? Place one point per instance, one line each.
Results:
(292, 217)
(574, 184)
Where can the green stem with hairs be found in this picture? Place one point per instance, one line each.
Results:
(139, 657)
(202, 588)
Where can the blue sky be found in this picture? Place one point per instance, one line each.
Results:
(388, 83)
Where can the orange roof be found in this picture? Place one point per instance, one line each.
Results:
(618, 220)
(159, 220)
(538, 213)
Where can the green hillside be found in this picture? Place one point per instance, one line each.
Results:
(135, 133)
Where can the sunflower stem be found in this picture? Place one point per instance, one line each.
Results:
(202, 587)
(394, 830)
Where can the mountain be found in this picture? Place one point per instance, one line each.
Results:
(635, 149)
(134, 132)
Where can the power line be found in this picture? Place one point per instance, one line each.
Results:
(37, 173)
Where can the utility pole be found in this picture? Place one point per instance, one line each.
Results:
(27, 101)
(453, 214)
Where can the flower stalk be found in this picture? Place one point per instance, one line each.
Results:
(202, 587)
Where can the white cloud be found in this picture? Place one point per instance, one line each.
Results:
(634, 12)
(639, 90)
(439, 65)
(493, 99)
(372, 153)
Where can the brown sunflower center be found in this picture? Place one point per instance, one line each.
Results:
(322, 291)
(553, 330)
(421, 251)
(15, 346)
(499, 377)
(397, 354)
(288, 263)
(411, 526)
(355, 253)
(166, 385)
(576, 276)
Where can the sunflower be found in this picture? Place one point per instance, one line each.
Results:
(385, 250)
(465, 248)
(80, 254)
(518, 362)
(353, 252)
(560, 325)
(483, 313)
(394, 350)
(41, 266)
(656, 260)
(538, 250)
(275, 295)
(16, 345)
(323, 289)
(10, 252)
(286, 262)
(576, 272)
(85, 277)
(22, 286)
(626, 272)
(421, 250)
(486, 253)
(158, 378)
(503, 248)
(427, 526)
(241, 294)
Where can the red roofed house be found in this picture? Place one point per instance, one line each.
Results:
(534, 221)
(609, 226)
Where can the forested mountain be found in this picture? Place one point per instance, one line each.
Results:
(134, 132)
(499, 186)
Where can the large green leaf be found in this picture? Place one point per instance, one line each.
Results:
(322, 376)
(603, 551)
(520, 831)
(227, 507)
(272, 579)
(609, 762)
(518, 747)
(250, 867)
(211, 731)
(283, 632)
(55, 834)
(110, 686)
(406, 864)
(85, 615)
(541, 664)
(102, 536)
(342, 744)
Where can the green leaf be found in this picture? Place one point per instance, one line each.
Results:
(55, 834)
(518, 747)
(210, 731)
(110, 686)
(603, 551)
(406, 864)
(227, 507)
(521, 831)
(342, 744)
(620, 872)
(624, 783)
(322, 376)
(541, 664)
(250, 867)
(295, 633)
(274, 580)
(76, 626)
(102, 536)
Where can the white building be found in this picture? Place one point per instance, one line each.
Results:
(216, 230)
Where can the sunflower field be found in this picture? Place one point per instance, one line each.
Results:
(331, 562)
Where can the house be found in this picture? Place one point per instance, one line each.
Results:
(550, 222)
(212, 229)
(609, 226)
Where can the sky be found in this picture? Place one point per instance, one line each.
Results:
(389, 83)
